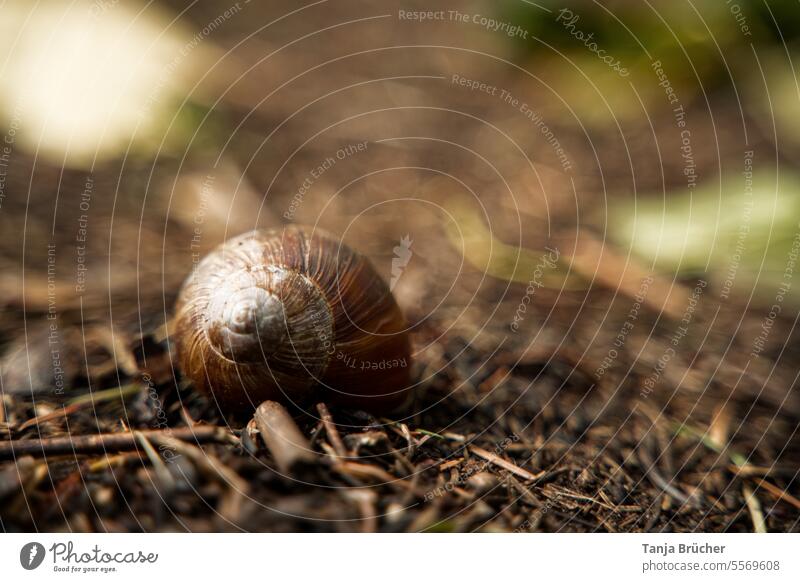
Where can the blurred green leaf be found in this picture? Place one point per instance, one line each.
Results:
(726, 232)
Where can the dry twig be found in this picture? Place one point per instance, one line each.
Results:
(93, 444)
(503, 464)
(331, 431)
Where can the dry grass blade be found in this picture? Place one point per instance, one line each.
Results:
(754, 507)
(82, 402)
(371, 472)
(503, 464)
(779, 493)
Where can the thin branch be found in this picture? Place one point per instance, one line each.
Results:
(93, 444)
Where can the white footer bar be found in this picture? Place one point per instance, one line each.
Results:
(399, 557)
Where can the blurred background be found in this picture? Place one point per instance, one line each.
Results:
(659, 127)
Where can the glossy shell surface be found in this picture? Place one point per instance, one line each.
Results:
(292, 315)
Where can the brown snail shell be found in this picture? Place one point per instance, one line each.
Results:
(292, 315)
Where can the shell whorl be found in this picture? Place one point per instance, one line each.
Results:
(245, 324)
(256, 310)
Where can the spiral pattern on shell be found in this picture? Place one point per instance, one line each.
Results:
(291, 315)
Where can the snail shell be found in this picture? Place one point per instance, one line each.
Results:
(290, 315)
